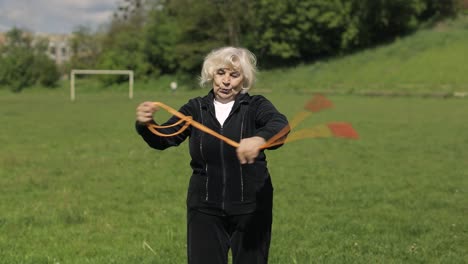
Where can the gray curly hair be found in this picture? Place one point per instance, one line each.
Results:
(238, 59)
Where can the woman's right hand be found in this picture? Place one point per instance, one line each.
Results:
(144, 112)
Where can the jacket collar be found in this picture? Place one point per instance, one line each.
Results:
(240, 99)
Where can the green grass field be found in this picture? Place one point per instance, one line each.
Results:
(78, 185)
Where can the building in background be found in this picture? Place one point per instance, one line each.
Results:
(58, 48)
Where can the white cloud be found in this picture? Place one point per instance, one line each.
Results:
(55, 16)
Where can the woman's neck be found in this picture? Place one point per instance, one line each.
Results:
(223, 101)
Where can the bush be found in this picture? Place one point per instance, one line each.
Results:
(45, 71)
(16, 72)
(24, 65)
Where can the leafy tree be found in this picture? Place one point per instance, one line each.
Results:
(383, 20)
(122, 46)
(126, 54)
(179, 33)
(86, 48)
(24, 62)
(199, 31)
(237, 18)
(304, 30)
(16, 71)
(45, 71)
(161, 36)
(129, 10)
(173, 36)
(298, 30)
(440, 9)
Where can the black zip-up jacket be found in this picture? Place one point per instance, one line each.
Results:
(219, 183)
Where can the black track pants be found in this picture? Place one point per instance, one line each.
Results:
(209, 238)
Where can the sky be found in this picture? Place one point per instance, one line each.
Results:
(55, 16)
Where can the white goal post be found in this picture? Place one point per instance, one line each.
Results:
(118, 72)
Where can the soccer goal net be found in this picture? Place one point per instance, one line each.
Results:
(117, 72)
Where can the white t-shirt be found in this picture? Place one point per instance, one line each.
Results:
(222, 110)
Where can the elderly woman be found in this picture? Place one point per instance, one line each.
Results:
(229, 201)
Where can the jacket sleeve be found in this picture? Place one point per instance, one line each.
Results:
(268, 121)
(162, 143)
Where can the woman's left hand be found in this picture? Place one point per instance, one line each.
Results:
(249, 148)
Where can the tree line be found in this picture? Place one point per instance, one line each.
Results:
(155, 37)
(24, 63)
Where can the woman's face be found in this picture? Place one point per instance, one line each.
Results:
(227, 83)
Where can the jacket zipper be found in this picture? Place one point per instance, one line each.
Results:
(223, 166)
(240, 165)
(201, 153)
(206, 184)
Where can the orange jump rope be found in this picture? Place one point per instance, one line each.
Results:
(316, 104)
